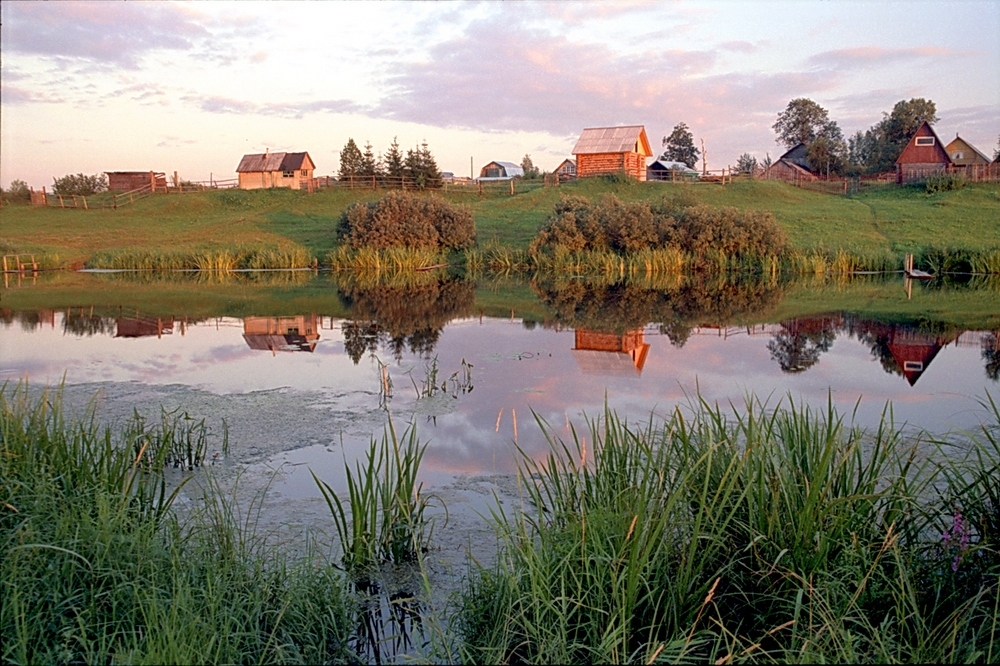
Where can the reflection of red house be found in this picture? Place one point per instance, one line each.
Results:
(610, 353)
(275, 334)
(914, 351)
(140, 327)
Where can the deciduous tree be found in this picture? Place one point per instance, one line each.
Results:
(800, 122)
(679, 146)
(80, 184)
(529, 168)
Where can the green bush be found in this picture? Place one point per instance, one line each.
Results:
(17, 192)
(942, 182)
(577, 225)
(402, 219)
(80, 184)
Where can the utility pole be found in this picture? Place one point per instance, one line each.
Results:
(704, 159)
(471, 173)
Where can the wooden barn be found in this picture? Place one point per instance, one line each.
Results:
(963, 153)
(792, 166)
(566, 170)
(126, 181)
(606, 150)
(914, 350)
(500, 171)
(267, 169)
(923, 156)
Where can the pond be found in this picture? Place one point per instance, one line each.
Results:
(304, 369)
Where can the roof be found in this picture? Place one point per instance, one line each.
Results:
(912, 148)
(274, 162)
(612, 140)
(652, 163)
(958, 139)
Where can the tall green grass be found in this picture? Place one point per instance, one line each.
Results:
(384, 518)
(759, 534)
(222, 260)
(96, 567)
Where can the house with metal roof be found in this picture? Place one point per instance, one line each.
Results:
(567, 169)
(267, 169)
(668, 170)
(963, 153)
(607, 150)
(500, 171)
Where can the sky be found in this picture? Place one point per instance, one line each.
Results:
(193, 86)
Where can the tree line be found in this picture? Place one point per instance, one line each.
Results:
(417, 167)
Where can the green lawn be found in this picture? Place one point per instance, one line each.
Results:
(896, 220)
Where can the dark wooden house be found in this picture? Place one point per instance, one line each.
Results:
(923, 156)
(141, 327)
(500, 171)
(607, 150)
(792, 166)
(126, 181)
(267, 169)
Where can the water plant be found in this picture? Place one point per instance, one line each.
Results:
(384, 518)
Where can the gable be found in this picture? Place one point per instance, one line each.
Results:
(924, 147)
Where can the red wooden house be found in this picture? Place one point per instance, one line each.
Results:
(611, 353)
(923, 156)
(606, 150)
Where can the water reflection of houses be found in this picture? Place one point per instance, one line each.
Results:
(274, 334)
(141, 327)
(914, 350)
(599, 353)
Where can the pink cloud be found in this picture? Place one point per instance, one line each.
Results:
(865, 56)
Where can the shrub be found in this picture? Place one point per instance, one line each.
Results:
(80, 184)
(18, 191)
(402, 219)
(627, 228)
(942, 182)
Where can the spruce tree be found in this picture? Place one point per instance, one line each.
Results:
(350, 161)
(392, 161)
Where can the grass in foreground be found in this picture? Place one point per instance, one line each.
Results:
(96, 568)
(756, 536)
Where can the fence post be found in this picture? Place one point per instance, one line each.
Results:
(512, 187)
(114, 202)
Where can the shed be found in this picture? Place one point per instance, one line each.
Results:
(793, 165)
(567, 169)
(963, 153)
(923, 156)
(126, 181)
(267, 169)
(606, 150)
(668, 170)
(500, 171)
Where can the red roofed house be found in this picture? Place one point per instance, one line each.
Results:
(923, 156)
(293, 170)
(606, 150)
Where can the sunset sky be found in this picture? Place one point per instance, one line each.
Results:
(191, 87)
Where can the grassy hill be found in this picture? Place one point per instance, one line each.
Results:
(897, 220)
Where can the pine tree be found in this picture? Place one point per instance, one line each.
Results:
(392, 162)
(350, 161)
(680, 146)
(369, 167)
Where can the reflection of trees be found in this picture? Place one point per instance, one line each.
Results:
(406, 314)
(678, 305)
(798, 344)
(79, 323)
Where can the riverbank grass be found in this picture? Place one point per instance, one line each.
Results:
(96, 567)
(756, 535)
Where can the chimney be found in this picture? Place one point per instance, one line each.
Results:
(266, 150)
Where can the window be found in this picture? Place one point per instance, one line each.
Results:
(957, 155)
(925, 141)
(288, 174)
(912, 366)
(305, 173)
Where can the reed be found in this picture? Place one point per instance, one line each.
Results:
(389, 260)
(756, 534)
(384, 517)
(95, 565)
